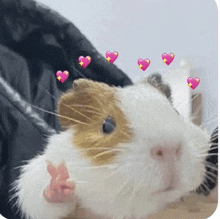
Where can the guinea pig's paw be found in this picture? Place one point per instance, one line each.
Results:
(59, 192)
(60, 188)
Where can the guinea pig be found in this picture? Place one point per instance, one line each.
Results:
(127, 151)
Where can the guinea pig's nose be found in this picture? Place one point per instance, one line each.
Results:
(166, 153)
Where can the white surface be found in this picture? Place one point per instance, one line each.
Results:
(147, 29)
(181, 94)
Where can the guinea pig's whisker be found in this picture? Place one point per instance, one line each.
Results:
(94, 167)
(214, 138)
(77, 111)
(90, 111)
(197, 197)
(214, 135)
(117, 170)
(208, 154)
(213, 175)
(208, 189)
(210, 163)
(124, 133)
(87, 106)
(133, 192)
(95, 148)
(123, 147)
(101, 104)
(106, 152)
(46, 90)
(213, 147)
(138, 183)
(119, 191)
(204, 188)
(211, 167)
(210, 149)
(65, 104)
(56, 114)
(68, 105)
(205, 151)
(208, 177)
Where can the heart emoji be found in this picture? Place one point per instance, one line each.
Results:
(62, 76)
(168, 58)
(84, 62)
(143, 64)
(193, 83)
(111, 56)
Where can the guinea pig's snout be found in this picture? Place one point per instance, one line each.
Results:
(166, 153)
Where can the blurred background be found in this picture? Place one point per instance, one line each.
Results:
(149, 28)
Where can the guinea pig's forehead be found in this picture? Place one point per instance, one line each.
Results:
(141, 93)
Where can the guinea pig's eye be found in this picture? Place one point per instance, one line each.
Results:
(108, 125)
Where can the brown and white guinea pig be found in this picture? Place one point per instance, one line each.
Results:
(127, 150)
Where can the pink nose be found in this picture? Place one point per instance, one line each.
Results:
(165, 153)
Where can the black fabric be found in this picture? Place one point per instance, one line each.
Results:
(211, 179)
(35, 43)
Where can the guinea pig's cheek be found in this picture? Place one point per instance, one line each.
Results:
(101, 157)
(99, 150)
(192, 167)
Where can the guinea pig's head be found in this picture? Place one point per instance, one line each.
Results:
(136, 127)
(93, 110)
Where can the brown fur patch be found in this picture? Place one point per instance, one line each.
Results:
(89, 103)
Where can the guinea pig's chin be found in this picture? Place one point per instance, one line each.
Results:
(167, 196)
(178, 190)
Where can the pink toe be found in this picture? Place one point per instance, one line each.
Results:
(68, 191)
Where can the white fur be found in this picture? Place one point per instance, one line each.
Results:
(141, 178)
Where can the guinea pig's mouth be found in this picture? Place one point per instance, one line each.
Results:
(168, 189)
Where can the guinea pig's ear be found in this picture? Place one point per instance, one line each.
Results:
(82, 84)
(73, 106)
(156, 81)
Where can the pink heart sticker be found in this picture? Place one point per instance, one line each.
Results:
(143, 64)
(62, 76)
(84, 61)
(193, 82)
(111, 57)
(168, 58)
